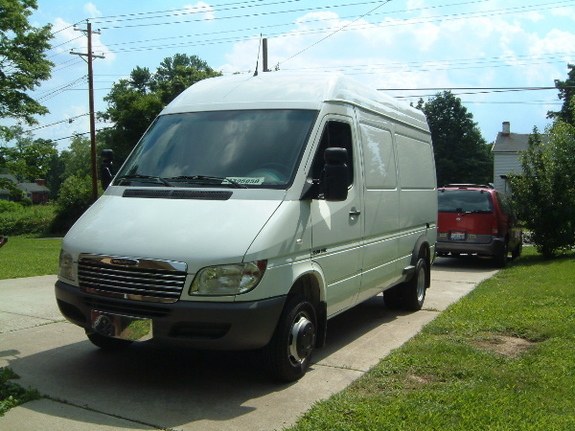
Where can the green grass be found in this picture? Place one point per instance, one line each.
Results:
(24, 256)
(500, 359)
(11, 394)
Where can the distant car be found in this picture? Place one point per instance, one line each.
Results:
(476, 219)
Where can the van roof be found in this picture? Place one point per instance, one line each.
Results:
(281, 90)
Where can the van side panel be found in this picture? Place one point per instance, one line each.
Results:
(381, 205)
(418, 200)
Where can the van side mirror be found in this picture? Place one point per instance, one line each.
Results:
(106, 167)
(335, 174)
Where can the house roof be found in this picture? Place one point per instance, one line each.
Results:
(511, 142)
(27, 187)
(33, 188)
(9, 177)
(514, 142)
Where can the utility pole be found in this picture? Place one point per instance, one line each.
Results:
(90, 56)
(265, 53)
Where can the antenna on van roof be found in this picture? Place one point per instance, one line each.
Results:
(258, 58)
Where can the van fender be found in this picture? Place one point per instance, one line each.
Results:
(309, 281)
(420, 249)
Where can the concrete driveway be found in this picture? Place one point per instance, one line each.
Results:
(147, 388)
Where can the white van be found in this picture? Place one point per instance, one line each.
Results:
(252, 211)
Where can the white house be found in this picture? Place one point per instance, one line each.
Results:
(506, 150)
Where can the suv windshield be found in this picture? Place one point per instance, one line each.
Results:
(464, 201)
(240, 148)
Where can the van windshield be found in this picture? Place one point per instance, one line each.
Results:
(464, 201)
(238, 148)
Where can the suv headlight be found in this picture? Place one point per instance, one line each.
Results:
(66, 265)
(228, 279)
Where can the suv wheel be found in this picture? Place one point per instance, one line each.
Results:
(501, 256)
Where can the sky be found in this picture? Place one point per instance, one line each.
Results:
(498, 56)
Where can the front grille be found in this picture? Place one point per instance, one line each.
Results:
(132, 279)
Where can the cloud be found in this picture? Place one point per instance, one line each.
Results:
(92, 10)
(201, 7)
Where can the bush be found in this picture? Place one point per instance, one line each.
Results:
(74, 198)
(17, 219)
(545, 194)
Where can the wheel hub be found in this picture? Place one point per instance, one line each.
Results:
(302, 339)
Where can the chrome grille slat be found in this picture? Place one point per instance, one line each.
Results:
(132, 279)
(127, 279)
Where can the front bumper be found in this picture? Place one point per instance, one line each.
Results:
(200, 325)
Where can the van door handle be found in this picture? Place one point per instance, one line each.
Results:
(354, 212)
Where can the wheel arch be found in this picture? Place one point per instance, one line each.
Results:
(311, 286)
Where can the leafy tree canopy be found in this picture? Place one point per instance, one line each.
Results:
(567, 95)
(29, 158)
(133, 103)
(461, 153)
(23, 62)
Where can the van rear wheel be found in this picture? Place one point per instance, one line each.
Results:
(411, 294)
(288, 355)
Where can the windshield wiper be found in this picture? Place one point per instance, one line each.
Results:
(143, 178)
(206, 180)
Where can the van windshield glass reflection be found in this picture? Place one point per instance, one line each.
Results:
(251, 148)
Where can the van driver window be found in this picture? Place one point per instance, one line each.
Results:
(335, 134)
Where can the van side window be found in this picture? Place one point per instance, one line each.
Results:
(335, 134)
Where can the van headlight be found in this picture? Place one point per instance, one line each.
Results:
(66, 265)
(228, 279)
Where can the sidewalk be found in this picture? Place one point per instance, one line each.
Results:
(146, 388)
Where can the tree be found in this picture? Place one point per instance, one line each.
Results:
(567, 94)
(134, 103)
(77, 158)
(28, 159)
(544, 194)
(131, 107)
(176, 74)
(461, 153)
(23, 62)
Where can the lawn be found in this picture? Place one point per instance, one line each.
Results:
(24, 256)
(500, 359)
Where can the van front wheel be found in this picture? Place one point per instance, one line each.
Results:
(288, 355)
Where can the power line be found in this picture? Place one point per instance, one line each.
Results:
(79, 134)
(188, 11)
(250, 15)
(334, 32)
(68, 120)
(524, 8)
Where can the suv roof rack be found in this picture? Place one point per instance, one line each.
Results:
(461, 185)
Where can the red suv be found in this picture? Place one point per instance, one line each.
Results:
(475, 219)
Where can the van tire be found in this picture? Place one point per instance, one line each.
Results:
(410, 295)
(107, 343)
(288, 354)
